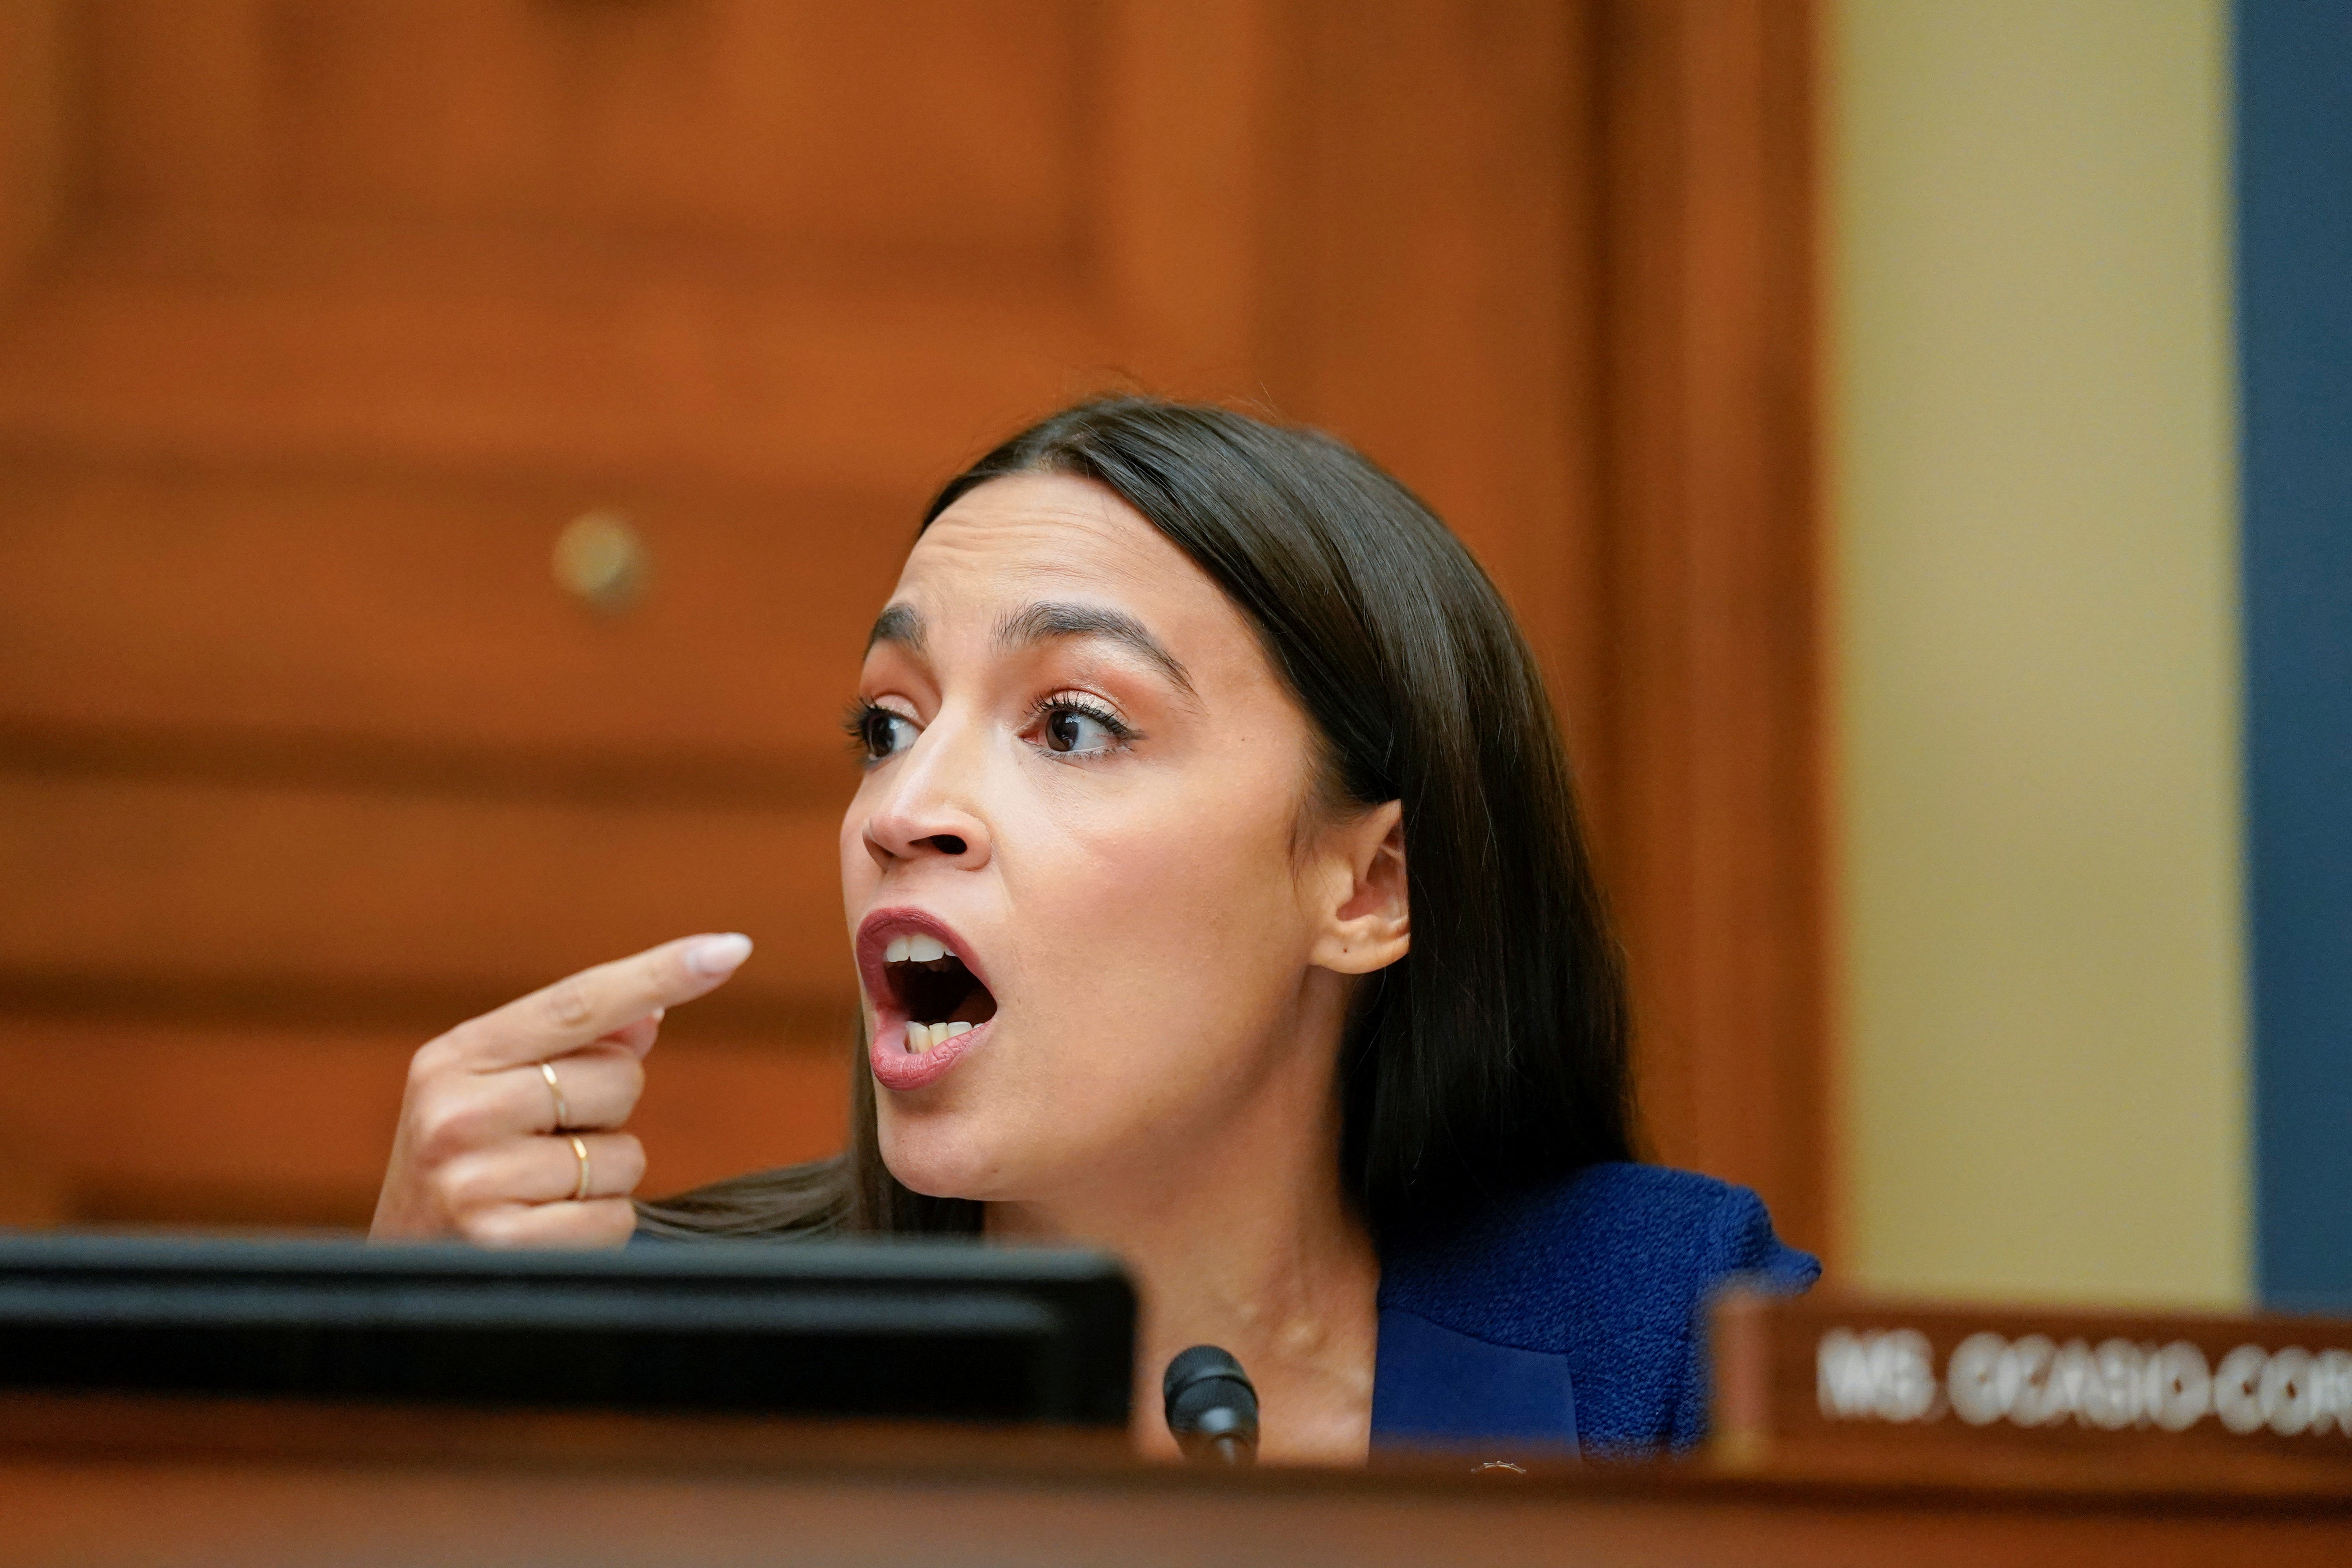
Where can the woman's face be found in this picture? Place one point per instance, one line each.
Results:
(1074, 864)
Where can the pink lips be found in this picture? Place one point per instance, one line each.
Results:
(896, 1068)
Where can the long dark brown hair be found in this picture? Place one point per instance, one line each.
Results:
(1493, 1056)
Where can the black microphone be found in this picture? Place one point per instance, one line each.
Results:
(1211, 1409)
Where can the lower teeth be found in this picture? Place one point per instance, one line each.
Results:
(923, 1039)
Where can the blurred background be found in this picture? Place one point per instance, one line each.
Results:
(450, 451)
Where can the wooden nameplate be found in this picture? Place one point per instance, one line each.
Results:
(1855, 1386)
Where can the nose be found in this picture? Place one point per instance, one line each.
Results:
(925, 812)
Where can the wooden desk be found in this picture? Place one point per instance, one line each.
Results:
(105, 1481)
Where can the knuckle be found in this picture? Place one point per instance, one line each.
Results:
(569, 1004)
(487, 1227)
(609, 1222)
(628, 1157)
(449, 1125)
(468, 1186)
(430, 1063)
(449, 1192)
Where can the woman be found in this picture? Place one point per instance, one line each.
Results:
(1217, 897)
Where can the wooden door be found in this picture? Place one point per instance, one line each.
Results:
(449, 451)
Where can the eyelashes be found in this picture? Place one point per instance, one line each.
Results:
(1061, 721)
(876, 733)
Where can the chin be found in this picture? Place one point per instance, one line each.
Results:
(939, 1154)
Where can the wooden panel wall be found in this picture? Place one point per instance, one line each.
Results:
(322, 320)
(1706, 712)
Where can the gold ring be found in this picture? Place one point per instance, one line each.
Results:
(580, 1149)
(562, 1106)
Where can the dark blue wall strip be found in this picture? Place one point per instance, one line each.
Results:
(2295, 326)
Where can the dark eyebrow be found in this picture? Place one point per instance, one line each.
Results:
(898, 624)
(1048, 620)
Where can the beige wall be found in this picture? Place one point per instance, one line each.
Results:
(2034, 519)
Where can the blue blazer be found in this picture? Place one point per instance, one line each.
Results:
(1573, 1316)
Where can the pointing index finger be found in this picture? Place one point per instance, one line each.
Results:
(596, 1002)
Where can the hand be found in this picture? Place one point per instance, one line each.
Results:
(480, 1154)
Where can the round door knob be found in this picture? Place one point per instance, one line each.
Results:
(601, 561)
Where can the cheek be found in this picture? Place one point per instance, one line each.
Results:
(1164, 908)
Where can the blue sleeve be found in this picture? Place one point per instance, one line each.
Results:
(1752, 1255)
(1612, 1270)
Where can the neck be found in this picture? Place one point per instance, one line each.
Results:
(1243, 1240)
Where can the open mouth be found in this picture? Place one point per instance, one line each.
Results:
(930, 1004)
(933, 989)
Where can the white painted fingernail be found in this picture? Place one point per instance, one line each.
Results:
(658, 1013)
(715, 955)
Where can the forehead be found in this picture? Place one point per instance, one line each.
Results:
(1016, 537)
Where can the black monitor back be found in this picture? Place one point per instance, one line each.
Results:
(883, 1330)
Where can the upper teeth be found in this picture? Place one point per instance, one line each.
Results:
(914, 950)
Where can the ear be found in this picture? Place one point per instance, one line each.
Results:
(1368, 922)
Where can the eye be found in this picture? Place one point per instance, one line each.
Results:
(1077, 730)
(880, 733)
